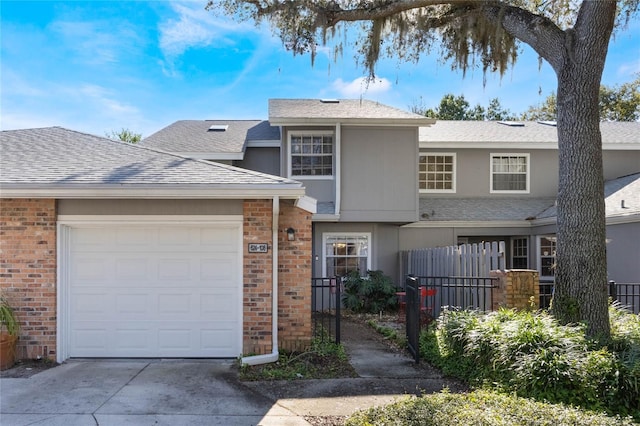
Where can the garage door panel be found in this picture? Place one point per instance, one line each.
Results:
(157, 292)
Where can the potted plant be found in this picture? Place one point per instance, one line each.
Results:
(9, 328)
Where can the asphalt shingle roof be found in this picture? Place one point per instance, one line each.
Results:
(195, 136)
(483, 209)
(62, 157)
(282, 110)
(447, 131)
(625, 188)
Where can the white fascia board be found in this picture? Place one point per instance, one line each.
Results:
(307, 203)
(325, 218)
(516, 145)
(197, 155)
(267, 143)
(470, 224)
(255, 192)
(401, 122)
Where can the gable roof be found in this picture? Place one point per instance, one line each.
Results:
(213, 139)
(530, 135)
(56, 162)
(621, 198)
(349, 111)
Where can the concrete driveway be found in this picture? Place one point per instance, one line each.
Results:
(138, 392)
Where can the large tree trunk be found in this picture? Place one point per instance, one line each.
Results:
(581, 264)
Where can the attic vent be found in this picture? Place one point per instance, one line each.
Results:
(218, 128)
(512, 123)
(330, 101)
(548, 123)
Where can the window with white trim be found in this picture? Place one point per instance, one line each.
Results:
(520, 253)
(311, 154)
(437, 172)
(547, 257)
(510, 173)
(346, 252)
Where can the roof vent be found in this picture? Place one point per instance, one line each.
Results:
(548, 123)
(512, 123)
(218, 128)
(330, 101)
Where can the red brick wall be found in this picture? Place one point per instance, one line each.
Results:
(294, 275)
(257, 278)
(28, 271)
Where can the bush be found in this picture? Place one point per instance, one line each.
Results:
(532, 355)
(476, 409)
(371, 294)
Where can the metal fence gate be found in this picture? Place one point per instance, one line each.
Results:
(412, 289)
(326, 303)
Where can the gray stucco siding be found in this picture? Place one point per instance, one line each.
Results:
(620, 163)
(149, 207)
(623, 252)
(265, 160)
(383, 250)
(379, 174)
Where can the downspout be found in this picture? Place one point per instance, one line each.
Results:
(338, 159)
(274, 355)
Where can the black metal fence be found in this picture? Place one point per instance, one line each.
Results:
(325, 307)
(626, 294)
(425, 298)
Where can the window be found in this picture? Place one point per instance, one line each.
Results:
(346, 252)
(510, 173)
(437, 172)
(311, 154)
(547, 256)
(519, 253)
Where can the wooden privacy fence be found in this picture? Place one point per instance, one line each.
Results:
(464, 260)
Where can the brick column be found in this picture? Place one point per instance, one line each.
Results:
(257, 327)
(516, 288)
(294, 276)
(28, 272)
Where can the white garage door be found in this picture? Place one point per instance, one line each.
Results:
(154, 291)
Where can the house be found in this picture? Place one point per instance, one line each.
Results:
(387, 180)
(502, 185)
(117, 250)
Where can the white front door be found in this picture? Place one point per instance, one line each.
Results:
(157, 290)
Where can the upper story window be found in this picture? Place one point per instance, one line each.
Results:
(311, 154)
(510, 173)
(437, 172)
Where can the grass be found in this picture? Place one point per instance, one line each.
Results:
(324, 360)
(531, 355)
(479, 408)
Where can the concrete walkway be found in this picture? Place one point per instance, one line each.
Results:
(191, 392)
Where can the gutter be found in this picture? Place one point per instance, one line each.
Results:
(274, 355)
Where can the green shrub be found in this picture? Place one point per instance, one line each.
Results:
(371, 294)
(531, 355)
(478, 408)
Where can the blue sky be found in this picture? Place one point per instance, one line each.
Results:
(101, 66)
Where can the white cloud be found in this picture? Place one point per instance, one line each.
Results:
(194, 27)
(105, 102)
(361, 86)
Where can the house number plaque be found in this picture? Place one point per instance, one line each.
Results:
(258, 248)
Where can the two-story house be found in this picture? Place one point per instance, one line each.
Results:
(387, 180)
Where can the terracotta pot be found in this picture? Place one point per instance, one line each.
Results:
(7, 350)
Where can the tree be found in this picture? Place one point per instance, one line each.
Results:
(571, 35)
(619, 103)
(125, 135)
(457, 108)
(545, 111)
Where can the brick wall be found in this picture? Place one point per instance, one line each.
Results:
(28, 271)
(516, 288)
(257, 278)
(294, 275)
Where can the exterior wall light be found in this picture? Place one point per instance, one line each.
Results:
(291, 234)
